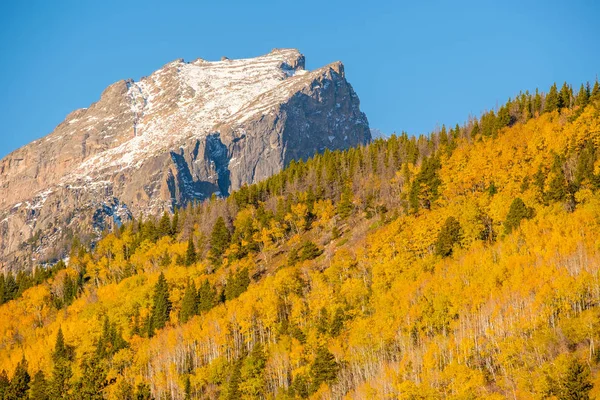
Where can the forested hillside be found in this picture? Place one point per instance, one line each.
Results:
(463, 264)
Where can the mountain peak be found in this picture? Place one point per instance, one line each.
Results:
(186, 131)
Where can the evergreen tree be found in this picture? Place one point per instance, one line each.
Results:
(233, 387)
(552, 100)
(165, 260)
(219, 241)
(175, 223)
(595, 95)
(443, 136)
(93, 379)
(324, 369)
(111, 340)
(2, 289)
(61, 350)
(449, 235)
(206, 296)
(537, 103)
(237, 283)
(576, 384)
(475, 130)
(4, 383)
(124, 390)
(558, 185)
(10, 287)
(516, 213)
(164, 225)
(309, 251)
(252, 373)
(60, 385)
(39, 387)
(564, 97)
(345, 206)
(189, 304)
(323, 321)
(503, 118)
(61, 374)
(582, 97)
(337, 324)
(19, 383)
(585, 165)
(143, 392)
(190, 253)
(299, 387)
(293, 257)
(187, 388)
(424, 188)
(161, 308)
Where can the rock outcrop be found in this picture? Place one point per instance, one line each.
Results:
(183, 133)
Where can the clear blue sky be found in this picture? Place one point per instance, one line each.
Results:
(415, 65)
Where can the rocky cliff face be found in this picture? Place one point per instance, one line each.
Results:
(185, 132)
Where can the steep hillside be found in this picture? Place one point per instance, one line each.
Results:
(187, 131)
(464, 264)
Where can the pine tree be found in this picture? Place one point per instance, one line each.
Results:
(175, 223)
(237, 283)
(309, 251)
(61, 374)
(324, 369)
(124, 390)
(582, 97)
(299, 387)
(110, 342)
(449, 235)
(39, 387)
(93, 380)
(206, 296)
(585, 165)
(537, 103)
(187, 388)
(190, 253)
(564, 97)
(552, 100)
(475, 130)
(2, 289)
(424, 188)
(595, 95)
(10, 287)
(323, 321)
(233, 387)
(516, 213)
(164, 225)
(60, 385)
(558, 185)
(293, 257)
(337, 324)
(143, 392)
(253, 379)
(219, 241)
(189, 304)
(19, 383)
(345, 206)
(161, 308)
(61, 350)
(4, 383)
(576, 384)
(443, 136)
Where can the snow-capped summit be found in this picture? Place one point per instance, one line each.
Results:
(188, 130)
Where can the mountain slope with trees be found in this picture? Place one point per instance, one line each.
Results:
(463, 264)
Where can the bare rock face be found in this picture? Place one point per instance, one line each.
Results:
(185, 132)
